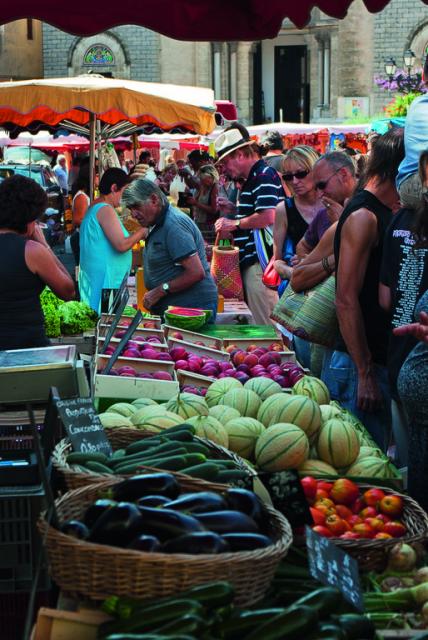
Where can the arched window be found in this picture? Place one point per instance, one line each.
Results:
(98, 54)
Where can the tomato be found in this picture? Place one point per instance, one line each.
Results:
(336, 525)
(317, 516)
(344, 491)
(375, 523)
(358, 506)
(372, 497)
(325, 502)
(350, 535)
(324, 486)
(364, 530)
(392, 506)
(322, 531)
(344, 512)
(321, 494)
(309, 487)
(395, 528)
(368, 512)
(353, 520)
(383, 517)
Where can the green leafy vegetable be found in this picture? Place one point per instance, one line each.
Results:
(65, 318)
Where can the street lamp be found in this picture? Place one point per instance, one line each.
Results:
(390, 68)
(409, 60)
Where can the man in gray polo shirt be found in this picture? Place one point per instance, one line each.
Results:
(176, 270)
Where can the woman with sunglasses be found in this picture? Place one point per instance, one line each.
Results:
(294, 214)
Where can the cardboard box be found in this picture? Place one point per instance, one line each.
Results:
(53, 624)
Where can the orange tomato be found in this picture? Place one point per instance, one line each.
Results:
(336, 525)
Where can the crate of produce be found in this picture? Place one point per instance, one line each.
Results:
(94, 570)
(136, 342)
(252, 343)
(192, 336)
(140, 334)
(198, 350)
(193, 380)
(133, 385)
(148, 322)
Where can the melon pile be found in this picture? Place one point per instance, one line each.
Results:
(270, 428)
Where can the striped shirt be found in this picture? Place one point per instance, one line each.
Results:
(262, 190)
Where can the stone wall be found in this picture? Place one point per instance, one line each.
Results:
(20, 57)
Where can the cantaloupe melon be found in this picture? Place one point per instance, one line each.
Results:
(210, 428)
(243, 434)
(223, 413)
(329, 411)
(114, 420)
(264, 387)
(271, 405)
(150, 410)
(312, 467)
(370, 467)
(187, 405)
(298, 410)
(245, 401)
(281, 446)
(366, 452)
(123, 409)
(219, 388)
(338, 443)
(158, 423)
(139, 403)
(314, 388)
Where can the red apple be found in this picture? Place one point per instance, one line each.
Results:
(392, 506)
(373, 496)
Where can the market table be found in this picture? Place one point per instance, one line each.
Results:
(236, 312)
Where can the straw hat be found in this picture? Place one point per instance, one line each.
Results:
(229, 141)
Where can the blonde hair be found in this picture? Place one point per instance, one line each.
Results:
(303, 155)
(209, 170)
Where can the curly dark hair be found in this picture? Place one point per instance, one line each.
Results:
(22, 200)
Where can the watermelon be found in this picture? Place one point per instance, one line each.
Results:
(264, 387)
(219, 388)
(371, 467)
(157, 423)
(114, 420)
(210, 428)
(245, 401)
(187, 405)
(143, 402)
(281, 446)
(243, 434)
(123, 409)
(298, 410)
(185, 318)
(314, 388)
(338, 443)
(329, 411)
(316, 468)
(223, 413)
(270, 406)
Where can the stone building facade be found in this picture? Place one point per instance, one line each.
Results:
(21, 50)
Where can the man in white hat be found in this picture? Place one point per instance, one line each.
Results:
(252, 223)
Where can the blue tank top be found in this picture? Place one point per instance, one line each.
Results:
(101, 265)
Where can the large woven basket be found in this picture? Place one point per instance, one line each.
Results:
(74, 477)
(96, 571)
(372, 555)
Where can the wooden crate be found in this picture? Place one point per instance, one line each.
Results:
(243, 343)
(193, 379)
(194, 337)
(124, 321)
(203, 352)
(53, 624)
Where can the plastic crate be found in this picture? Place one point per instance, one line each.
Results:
(20, 541)
(13, 612)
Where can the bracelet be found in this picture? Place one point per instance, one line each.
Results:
(326, 266)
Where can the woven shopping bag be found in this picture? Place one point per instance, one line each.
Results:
(225, 270)
(311, 314)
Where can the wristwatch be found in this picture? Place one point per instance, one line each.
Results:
(165, 287)
(237, 223)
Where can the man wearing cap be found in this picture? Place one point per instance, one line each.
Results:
(272, 141)
(252, 223)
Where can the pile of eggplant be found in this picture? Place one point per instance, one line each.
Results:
(149, 513)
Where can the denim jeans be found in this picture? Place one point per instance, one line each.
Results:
(340, 375)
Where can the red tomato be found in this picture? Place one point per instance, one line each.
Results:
(336, 525)
(392, 506)
(383, 517)
(372, 497)
(324, 486)
(344, 512)
(317, 516)
(353, 520)
(395, 529)
(344, 491)
(309, 485)
(364, 530)
(321, 494)
(322, 531)
(368, 512)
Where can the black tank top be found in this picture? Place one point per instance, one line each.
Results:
(297, 225)
(376, 320)
(21, 316)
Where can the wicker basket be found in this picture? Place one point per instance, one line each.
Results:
(372, 555)
(96, 571)
(74, 477)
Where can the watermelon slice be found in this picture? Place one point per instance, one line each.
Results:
(187, 318)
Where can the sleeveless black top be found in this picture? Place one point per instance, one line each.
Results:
(297, 225)
(21, 316)
(376, 320)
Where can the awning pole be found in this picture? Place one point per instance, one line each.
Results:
(92, 130)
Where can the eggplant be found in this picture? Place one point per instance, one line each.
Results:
(245, 501)
(153, 501)
(166, 523)
(146, 485)
(96, 510)
(144, 543)
(75, 528)
(202, 502)
(118, 526)
(196, 543)
(246, 541)
(227, 522)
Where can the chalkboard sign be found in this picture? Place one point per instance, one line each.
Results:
(329, 564)
(83, 426)
(287, 495)
(120, 347)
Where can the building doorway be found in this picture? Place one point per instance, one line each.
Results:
(291, 84)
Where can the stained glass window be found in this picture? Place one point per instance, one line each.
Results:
(98, 54)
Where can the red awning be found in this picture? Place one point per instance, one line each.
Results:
(181, 19)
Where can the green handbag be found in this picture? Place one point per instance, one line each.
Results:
(311, 314)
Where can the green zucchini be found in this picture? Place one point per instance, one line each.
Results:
(211, 595)
(195, 447)
(153, 452)
(355, 626)
(224, 464)
(176, 462)
(144, 443)
(76, 457)
(137, 463)
(292, 624)
(324, 601)
(119, 453)
(244, 621)
(329, 631)
(97, 467)
(206, 471)
(187, 624)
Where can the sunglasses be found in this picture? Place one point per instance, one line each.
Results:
(321, 185)
(288, 177)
